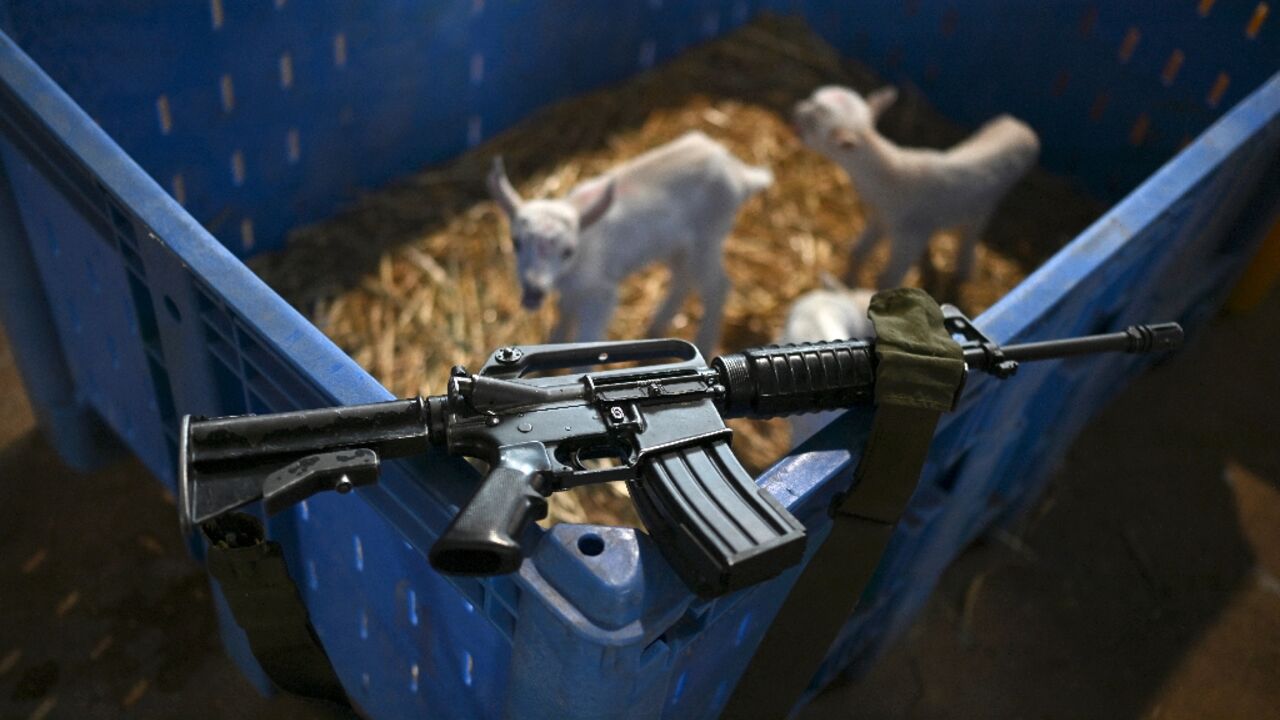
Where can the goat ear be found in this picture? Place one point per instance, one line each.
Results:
(880, 100)
(593, 202)
(501, 190)
(845, 139)
(830, 282)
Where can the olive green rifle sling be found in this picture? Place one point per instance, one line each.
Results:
(918, 374)
(264, 601)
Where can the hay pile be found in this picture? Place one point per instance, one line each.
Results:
(419, 276)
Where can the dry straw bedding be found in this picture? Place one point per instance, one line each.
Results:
(419, 276)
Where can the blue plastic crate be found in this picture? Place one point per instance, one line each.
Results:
(240, 119)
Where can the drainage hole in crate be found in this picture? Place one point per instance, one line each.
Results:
(359, 552)
(675, 696)
(304, 511)
(1088, 20)
(648, 53)
(742, 629)
(590, 544)
(1255, 23)
(364, 624)
(364, 682)
(1171, 67)
(340, 50)
(722, 691)
(1219, 89)
(237, 168)
(1129, 45)
(172, 308)
(227, 93)
(413, 678)
(286, 71)
(293, 145)
(313, 579)
(468, 668)
(246, 233)
(1138, 132)
(164, 115)
(1099, 106)
(413, 608)
(179, 186)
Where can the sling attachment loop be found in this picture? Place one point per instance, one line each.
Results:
(918, 372)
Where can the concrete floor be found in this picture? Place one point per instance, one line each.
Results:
(1144, 586)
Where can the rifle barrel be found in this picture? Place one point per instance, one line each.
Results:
(1134, 339)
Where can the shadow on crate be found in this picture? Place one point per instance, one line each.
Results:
(1143, 585)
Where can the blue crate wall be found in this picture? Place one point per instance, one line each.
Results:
(1114, 88)
(157, 320)
(259, 115)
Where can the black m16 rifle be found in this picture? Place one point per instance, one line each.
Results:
(661, 424)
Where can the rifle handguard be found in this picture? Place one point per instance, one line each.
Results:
(789, 379)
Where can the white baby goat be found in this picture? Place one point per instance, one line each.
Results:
(674, 204)
(911, 193)
(830, 313)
